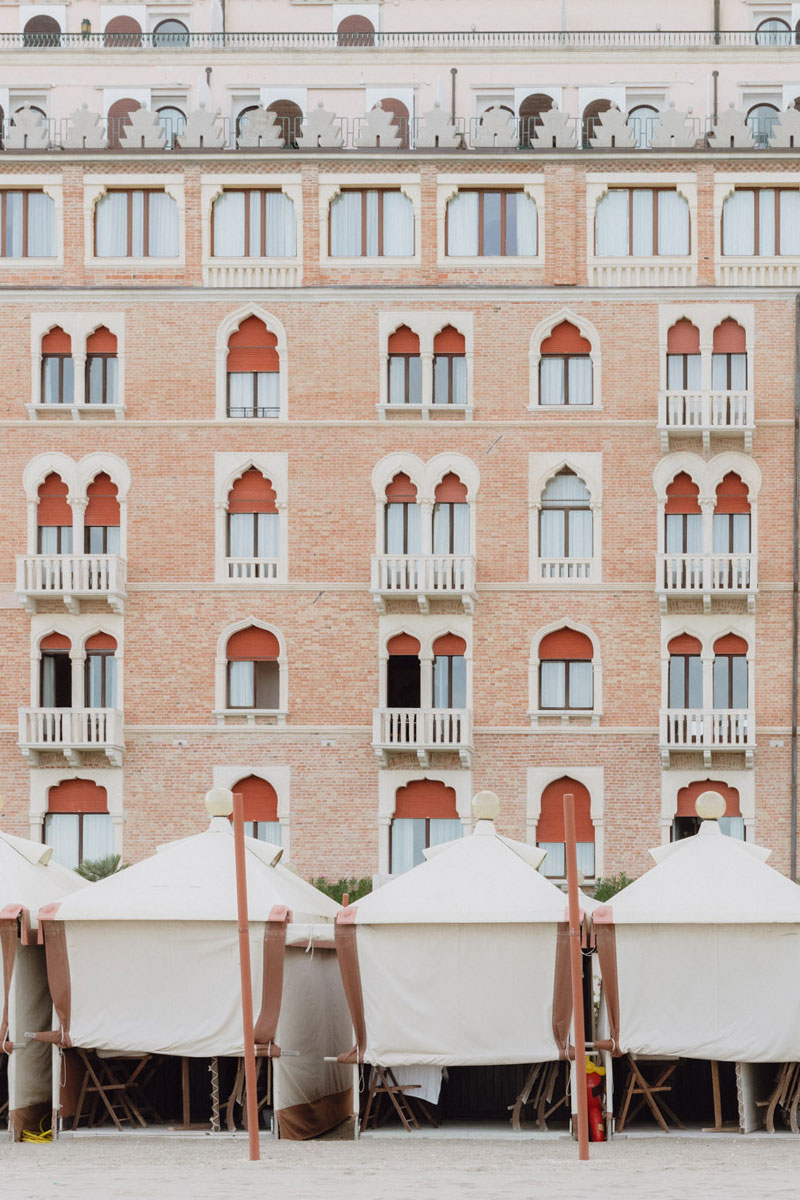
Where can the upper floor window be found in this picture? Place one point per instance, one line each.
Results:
(643, 120)
(260, 804)
(730, 673)
(530, 116)
(77, 823)
(55, 672)
(449, 367)
(102, 367)
(122, 31)
(687, 823)
(136, 223)
(27, 225)
(405, 367)
(773, 32)
(641, 222)
(449, 672)
(253, 527)
(550, 834)
(731, 526)
(371, 223)
(491, 224)
(591, 119)
(566, 678)
(41, 31)
(425, 815)
(253, 223)
(565, 368)
(101, 519)
(683, 517)
(729, 358)
(170, 33)
(683, 357)
(451, 522)
(400, 119)
(118, 119)
(685, 679)
(58, 368)
(253, 371)
(53, 517)
(402, 517)
(565, 523)
(173, 121)
(355, 31)
(100, 685)
(253, 669)
(761, 221)
(403, 675)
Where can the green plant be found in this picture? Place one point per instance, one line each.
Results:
(353, 888)
(95, 869)
(605, 888)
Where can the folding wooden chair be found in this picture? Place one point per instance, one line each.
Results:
(637, 1085)
(383, 1083)
(785, 1095)
(537, 1091)
(102, 1084)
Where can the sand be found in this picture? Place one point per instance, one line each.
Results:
(152, 1167)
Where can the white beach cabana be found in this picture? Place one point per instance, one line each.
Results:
(28, 879)
(147, 962)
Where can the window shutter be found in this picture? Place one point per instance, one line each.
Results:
(687, 797)
(426, 798)
(403, 643)
(449, 643)
(683, 495)
(684, 643)
(53, 508)
(566, 339)
(451, 490)
(400, 117)
(731, 643)
(252, 347)
(729, 338)
(77, 796)
(103, 506)
(56, 342)
(566, 644)
(252, 645)
(551, 819)
(404, 341)
(401, 490)
(102, 341)
(449, 341)
(259, 799)
(119, 116)
(101, 641)
(55, 641)
(252, 493)
(683, 338)
(732, 495)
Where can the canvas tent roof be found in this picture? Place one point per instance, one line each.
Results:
(29, 877)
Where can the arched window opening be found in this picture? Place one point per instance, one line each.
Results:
(643, 120)
(371, 223)
(118, 119)
(761, 118)
(550, 828)
(566, 676)
(530, 116)
(253, 528)
(403, 672)
(761, 221)
(253, 223)
(773, 32)
(565, 367)
(732, 530)
(170, 33)
(683, 519)
(449, 672)
(687, 823)
(641, 223)
(683, 357)
(55, 677)
(100, 681)
(405, 367)
(730, 673)
(729, 358)
(41, 32)
(53, 517)
(289, 117)
(401, 119)
(243, 119)
(449, 367)
(355, 31)
(451, 532)
(425, 815)
(260, 804)
(102, 517)
(138, 223)
(58, 368)
(591, 119)
(253, 369)
(402, 516)
(173, 121)
(565, 521)
(77, 823)
(685, 683)
(102, 367)
(491, 224)
(122, 31)
(253, 670)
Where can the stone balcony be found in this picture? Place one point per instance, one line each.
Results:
(72, 732)
(707, 577)
(423, 577)
(71, 578)
(703, 414)
(690, 730)
(422, 732)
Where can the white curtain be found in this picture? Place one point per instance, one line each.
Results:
(551, 533)
(442, 541)
(14, 224)
(551, 379)
(241, 685)
(415, 380)
(241, 539)
(50, 377)
(62, 832)
(394, 528)
(111, 221)
(459, 380)
(585, 856)
(48, 681)
(526, 224)
(112, 539)
(98, 836)
(240, 392)
(766, 222)
(281, 226)
(580, 379)
(398, 224)
(580, 685)
(268, 535)
(268, 391)
(138, 202)
(373, 248)
(443, 830)
(254, 201)
(268, 831)
(163, 225)
(642, 222)
(790, 222)
(41, 226)
(555, 864)
(462, 224)
(95, 394)
(580, 533)
(673, 223)
(408, 842)
(229, 225)
(461, 529)
(732, 827)
(48, 539)
(397, 379)
(611, 224)
(346, 225)
(738, 223)
(98, 696)
(553, 685)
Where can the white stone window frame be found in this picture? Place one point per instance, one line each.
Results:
(228, 467)
(708, 475)
(568, 716)
(52, 186)
(426, 325)
(212, 186)
(426, 477)
(278, 775)
(544, 466)
(747, 270)
(705, 318)
(79, 326)
(593, 779)
(221, 712)
(97, 186)
(708, 628)
(42, 779)
(426, 629)
(540, 334)
(447, 186)
(658, 269)
(389, 783)
(57, 11)
(78, 628)
(330, 186)
(224, 331)
(673, 781)
(178, 12)
(77, 476)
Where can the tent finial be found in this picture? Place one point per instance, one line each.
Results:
(485, 806)
(710, 806)
(219, 802)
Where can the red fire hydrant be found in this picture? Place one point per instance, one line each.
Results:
(594, 1088)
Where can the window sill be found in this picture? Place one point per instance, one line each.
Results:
(252, 272)
(568, 409)
(582, 718)
(251, 717)
(493, 260)
(74, 412)
(426, 412)
(148, 263)
(374, 262)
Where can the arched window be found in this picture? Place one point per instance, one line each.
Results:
(530, 116)
(566, 677)
(55, 674)
(260, 803)
(253, 528)
(761, 221)
(451, 532)
(355, 31)
(550, 828)
(683, 517)
(253, 223)
(424, 815)
(403, 672)
(565, 521)
(53, 517)
(289, 117)
(173, 121)
(58, 368)
(77, 823)
(253, 371)
(41, 31)
(102, 518)
(641, 223)
(642, 120)
(102, 367)
(122, 31)
(729, 360)
(100, 683)
(773, 32)
(730, 672)
(761, 118)
(491, 224)
(401, 119)
(449, 672)
(403, 526)
(591, 119)
(449, 367)
(243, 117)
(371, 223)
(118, 118)
(170, 33)
(732, 532)
(683, 357)
(405, 367)
(565, 368)
(687, 823)
(253, 670)
(685, 684)
(136, 223)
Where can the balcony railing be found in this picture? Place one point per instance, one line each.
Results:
(425, 577)
(422, 731)
(561, 570)
(707, 576)
(726, 729)
(704, 413)
(71, 731)
(71, 577)
(252, 570)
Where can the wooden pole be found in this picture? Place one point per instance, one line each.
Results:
(247, 989)
(576, 973)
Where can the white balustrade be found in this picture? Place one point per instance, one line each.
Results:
(700, 574)
(71, 729)
(250, 570)
(426, 576)
(422, 729)
(557, 569)
(71, 576)
(699, 729)
(698, 412)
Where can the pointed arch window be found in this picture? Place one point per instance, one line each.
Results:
(491, 224)
(260, 803)
(253, 548)
(405, 367)
(58, 368)
(102, 517)
(449, 367)
(683, 517)
(683, 357)
(730, 672)
(449, 672)
(565, 367)
(102, 368)
(425, 815)
(55, 673)
(402, 517)
(641, 223)
(253, 371)
(136, 223)
(687, 823)
(565, 523)
(566, 676)
(685, 683)
(77, 823)
(100, 682)
(732, 516)
(53, 517)
(371, 223)
(403, 688)
(451, 517)
(729, 358)
(253, 670)
(550, 829)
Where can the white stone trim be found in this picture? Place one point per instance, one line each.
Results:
(230, 466)
(534, 710)
(672, 781)
(426, 629)
(278, 775)
(390, 781)
(426, 325)
(329, 188)
(539, 335)
(77, 477)
(79, 326)
(752, 270)
(52, 186)
(78, 628)
(658, 269)
(220, 690)
(448, 185)
(426, 477)
(592, 778)
(541, 469)
(226, 328)
(95, 187)
(44, 778)
(57, 11)
(706, 318)
(246, 271)
(707, 628)
(707, 474)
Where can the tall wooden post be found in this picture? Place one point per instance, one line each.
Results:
(576, 973)
(247, 988)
